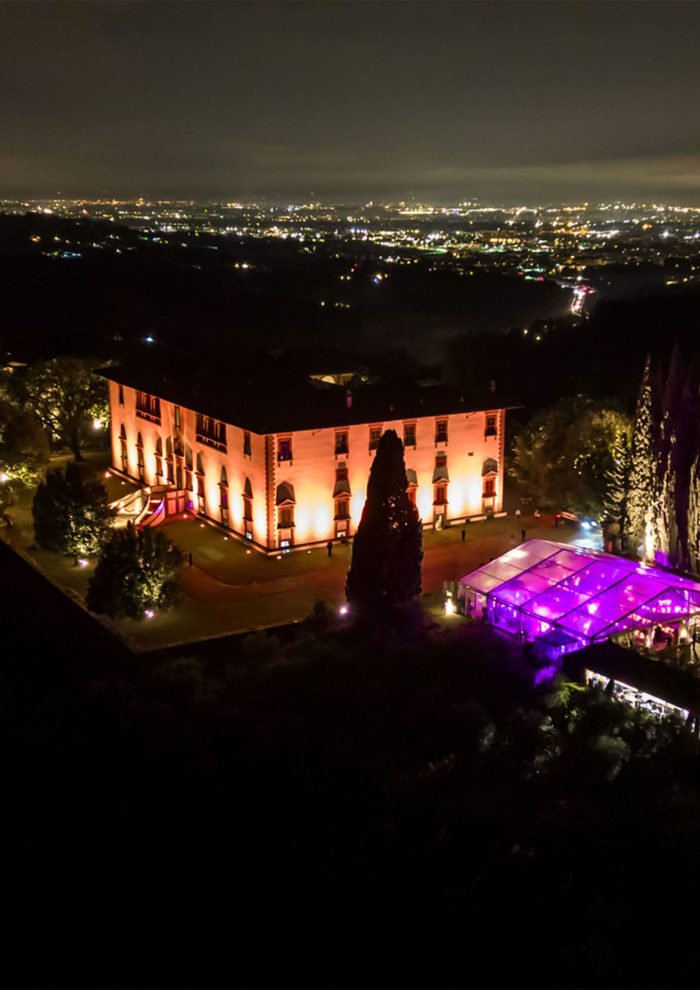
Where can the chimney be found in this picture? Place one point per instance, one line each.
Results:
(348, 399)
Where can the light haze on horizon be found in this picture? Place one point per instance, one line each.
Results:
(506, 102)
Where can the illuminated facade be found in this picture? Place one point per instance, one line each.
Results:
(294, 471)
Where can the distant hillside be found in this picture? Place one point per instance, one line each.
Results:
(87, 286)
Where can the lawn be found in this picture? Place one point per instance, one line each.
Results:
(231, 562)
(232, 588)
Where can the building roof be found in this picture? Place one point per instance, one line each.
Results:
(587, 594)
(274, 396)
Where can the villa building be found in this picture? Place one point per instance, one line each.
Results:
(282, 459)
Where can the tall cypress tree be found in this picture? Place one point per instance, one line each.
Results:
(694, 517)
(641, 480)
(616, 478)
(684, 452)
(388, 547)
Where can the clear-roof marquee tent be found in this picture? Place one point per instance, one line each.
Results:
(586, 596)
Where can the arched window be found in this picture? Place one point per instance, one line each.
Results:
(188, 468)
(123, 450)
(159, 458)
(285, 501)
(489, 473)
(170, 460)
(223, 496)
(139, 457)
(201, 498)
(248, 509)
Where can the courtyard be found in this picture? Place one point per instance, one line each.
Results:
(231, 588)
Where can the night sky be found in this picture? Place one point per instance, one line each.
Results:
(505, 101)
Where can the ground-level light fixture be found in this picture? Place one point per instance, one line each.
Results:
(149, 613)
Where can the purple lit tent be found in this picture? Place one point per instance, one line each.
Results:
(585, 596)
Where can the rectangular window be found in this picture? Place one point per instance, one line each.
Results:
(246, 444)
(441, 459)
(342, 508)
(286, 516)
(247, 509)
(177, 417)
(411, 494)
(341, 443)
(409, 435)
(211, 432)
(148, 406)
(375, 435)
(121, 395)
(441, 431)
(490, 430)
(440, 495)
(489, 487)
(284, 450)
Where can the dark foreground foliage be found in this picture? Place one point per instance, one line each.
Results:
(333, 810)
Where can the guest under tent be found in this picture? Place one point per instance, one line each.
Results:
(564, 598)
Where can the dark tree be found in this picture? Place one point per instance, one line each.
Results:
(136, 572)
(67, 397)
(70, 511)
(24, 449)
(388, 547)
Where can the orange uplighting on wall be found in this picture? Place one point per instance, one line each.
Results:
(318, 475)
(322, 519)
(424, 501)
(455, 499)
(357, 504)
(474, 489)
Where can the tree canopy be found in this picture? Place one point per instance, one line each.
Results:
(565, 456)
(136, 572)
(67, 397)
(70, 511)
(662, 504)
(388, 547)
(24, 449)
